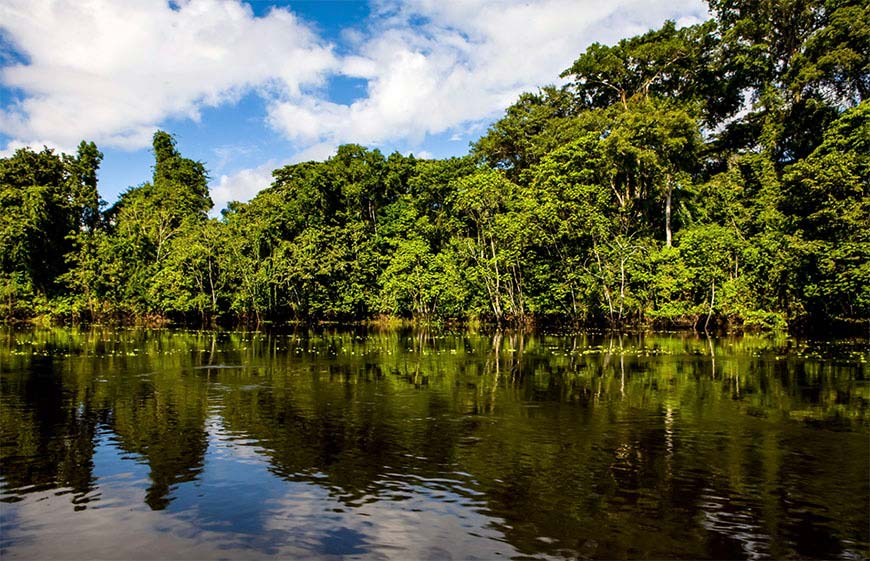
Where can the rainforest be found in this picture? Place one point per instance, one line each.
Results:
(713, 176)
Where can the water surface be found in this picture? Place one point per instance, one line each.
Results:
(167, 444)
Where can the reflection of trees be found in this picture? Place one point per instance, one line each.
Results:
(48, 432)
(158, 407)
(612, 446)
(163, 421)
(336, 423)
(54, 405)
(615, 440)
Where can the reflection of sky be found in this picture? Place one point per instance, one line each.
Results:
(238, 509)
(639, 454)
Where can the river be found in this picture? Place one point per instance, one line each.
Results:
(428, 444)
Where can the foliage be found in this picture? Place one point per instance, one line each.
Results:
(712, 175)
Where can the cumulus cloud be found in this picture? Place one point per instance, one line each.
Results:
(243, 184)
(113, 70)
(434, 66)
(14, 145)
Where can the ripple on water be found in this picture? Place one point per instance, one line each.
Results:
(358, 447)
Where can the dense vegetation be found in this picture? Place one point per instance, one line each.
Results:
(710, 175)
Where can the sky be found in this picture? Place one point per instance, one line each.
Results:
(249, 86)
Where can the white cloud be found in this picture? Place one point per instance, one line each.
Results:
(37, 145)
(464, 65)
(241, 185)
(113, 70)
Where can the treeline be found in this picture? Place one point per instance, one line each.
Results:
(712, 175)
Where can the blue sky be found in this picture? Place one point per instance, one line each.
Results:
(249, 86)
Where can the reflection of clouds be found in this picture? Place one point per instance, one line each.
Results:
(307, 521)
(229, 445)
(237, 509)
(421, 526)
(121, 527)
(309, 459)
(734, 522)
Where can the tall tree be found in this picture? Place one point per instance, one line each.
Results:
(146, 220)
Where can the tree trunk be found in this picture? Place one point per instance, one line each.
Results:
(668, 234)
(712, 301)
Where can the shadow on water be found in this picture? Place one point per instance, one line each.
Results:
(391, 444)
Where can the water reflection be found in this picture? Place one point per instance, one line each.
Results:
(156, 444)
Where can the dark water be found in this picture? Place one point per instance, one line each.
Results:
(126, 444)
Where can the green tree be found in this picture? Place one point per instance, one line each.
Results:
(827, 209)
(147, 219)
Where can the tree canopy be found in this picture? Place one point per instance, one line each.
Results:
(709, 175)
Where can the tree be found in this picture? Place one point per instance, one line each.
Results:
(480, 201)
(826, 204)
(533, 126)
(800, 63)
(45, 201)
(146, 219)
(673, 63)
